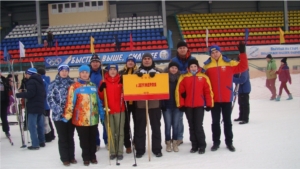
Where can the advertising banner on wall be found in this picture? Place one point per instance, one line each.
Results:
(106, 58)
(262, 51)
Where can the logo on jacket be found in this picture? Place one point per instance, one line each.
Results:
(164, 54)
(223, 68)
(200, 78)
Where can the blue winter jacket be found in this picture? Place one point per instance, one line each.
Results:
(171, 103)
(96, 76)
(46, 80)
(243, 80)
(57, 95)
(182, 64)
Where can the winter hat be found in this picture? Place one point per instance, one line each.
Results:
(131, 58)
(269, 56)
(41, 71)
(284, 60)
(181, 43)
(31, 71)
(63, 67)
(193, 61)
(95, 57)
(213, 48)
(173, 64)
(84, 68)
(112, 66)
(147, 55)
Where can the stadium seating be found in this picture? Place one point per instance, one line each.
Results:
(227, 29)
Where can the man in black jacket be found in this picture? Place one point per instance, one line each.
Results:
(35, 106)
(4, 88)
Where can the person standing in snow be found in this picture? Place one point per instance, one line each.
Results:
(4, 97)
(243, 80)
(193, 93)
(220, 71)
(113, 84)
(56, 97)
(182, 58)
(271, 75)
(147, 67)
(129, 68)
(284, 77)
(35, 106)
(84, 107)
(96, 77)
(170, 111)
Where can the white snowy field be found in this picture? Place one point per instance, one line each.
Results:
(269, 140)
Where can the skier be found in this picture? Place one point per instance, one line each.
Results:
(4, 89)
(96, 77)
(129, 68)
(147, 67)
(35, 106)
(182, 58)
(220, 71)
(193, 92)
(271, 75)
(56, 97)
(114, 88)
(84, 107)
(284, 77)
(243, 96)
(170, 111)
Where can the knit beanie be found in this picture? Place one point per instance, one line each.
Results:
(173, 64)
(112, 66)
(269, 56)
(31, 71)
(41, 71)
(193, 61)
(95, 57)
(284, 60)
(84, 68)
(181, 43)
(147, 55)
(63, 67)
(131, 58)
(213, 48)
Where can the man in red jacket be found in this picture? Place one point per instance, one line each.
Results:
(220, 71)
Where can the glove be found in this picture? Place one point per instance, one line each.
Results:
(207, 108)
(242, 47)
(182, 109)
(102, 86)
(183, 95)
(139, 74)
(163, 109)
(121, 80)
(64, 120)
(152, 74)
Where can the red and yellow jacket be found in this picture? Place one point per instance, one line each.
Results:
(220, 73)
(114, 90)
(197, 88)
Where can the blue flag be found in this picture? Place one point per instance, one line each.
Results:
(170, 41)
(246, 35)
(6, 54)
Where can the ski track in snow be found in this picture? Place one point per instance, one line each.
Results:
(270, 140)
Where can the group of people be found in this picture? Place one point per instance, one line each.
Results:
(97, 97)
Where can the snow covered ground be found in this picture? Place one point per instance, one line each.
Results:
(270, 140)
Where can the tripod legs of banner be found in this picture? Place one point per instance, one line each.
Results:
(148, 132)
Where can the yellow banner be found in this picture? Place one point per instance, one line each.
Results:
(146, 87)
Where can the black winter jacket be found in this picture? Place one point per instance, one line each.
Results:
(4, 94)
(35, 95)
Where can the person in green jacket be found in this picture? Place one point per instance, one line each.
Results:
(271, 75)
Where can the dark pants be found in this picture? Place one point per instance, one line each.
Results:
(243, 100)
(131, 109)
(104, 136)
(66, 145)
(270, 84)
(5, 126)
(195, 119)
(223, 108)
(87, 139)
(49, 136)
(140, 130)
(117, 48)
(283, 86)
(50, 43)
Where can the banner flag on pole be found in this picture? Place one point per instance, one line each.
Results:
(92, 45)
(170, 40)
(281, 36)
(246, 35)
(6, 55)
(56, 47)
(22, 49)
(206, 38)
